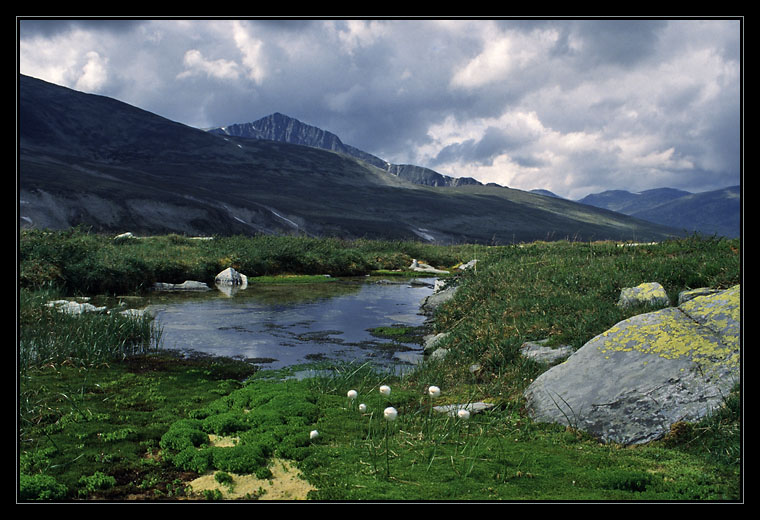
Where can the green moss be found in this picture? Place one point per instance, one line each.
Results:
(40, 487)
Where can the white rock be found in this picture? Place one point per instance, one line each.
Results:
(231, 277)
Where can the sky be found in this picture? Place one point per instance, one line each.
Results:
(574, 106)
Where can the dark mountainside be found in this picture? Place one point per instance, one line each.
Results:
(626, 202)
(715, 212)
(93, 161)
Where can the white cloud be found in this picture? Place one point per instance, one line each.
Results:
(504, 54)
(356, 34)
(196, 64)
(94, 73)
(74, 59)
(252, 52)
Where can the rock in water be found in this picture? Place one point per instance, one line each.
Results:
(231, 277)
(187, 285)
(630, 383)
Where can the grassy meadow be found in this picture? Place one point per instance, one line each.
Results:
(105, 414)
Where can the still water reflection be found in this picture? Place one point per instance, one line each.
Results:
(275, 326)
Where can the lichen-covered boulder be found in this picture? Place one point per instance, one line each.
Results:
(630, 383)
(685, 296)
(651, 293)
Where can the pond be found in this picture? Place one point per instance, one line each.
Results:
(281, 325)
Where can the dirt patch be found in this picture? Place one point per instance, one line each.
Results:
(286, 483)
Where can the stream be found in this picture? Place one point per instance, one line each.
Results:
(280, 325)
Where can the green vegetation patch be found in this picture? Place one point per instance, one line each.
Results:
(77, 261)
(399, 333)
(266, 419)
(95, 431)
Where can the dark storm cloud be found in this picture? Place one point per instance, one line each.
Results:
(495, 141)
(567, 105)
(41, 27)
(619, 42)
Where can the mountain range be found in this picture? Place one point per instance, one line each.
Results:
(279, 127)
(90, 160)
(715, 212)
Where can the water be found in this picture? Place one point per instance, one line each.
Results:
(275, 326)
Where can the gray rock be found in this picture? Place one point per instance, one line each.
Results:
(187, 285)
(537, 351)
(425, 268)
(631, 383)
(72, 307)
(431, 342)
(439, 354)
(644, 294)
(469, 265)
(135, 313)
(430, 303)
(453, 409)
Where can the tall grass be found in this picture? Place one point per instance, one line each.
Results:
(49, 336)
(80, 262)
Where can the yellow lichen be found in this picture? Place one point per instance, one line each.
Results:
(674, 334)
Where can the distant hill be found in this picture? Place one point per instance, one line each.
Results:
(285, 129)
(94, 161)
(713, 213)
(545, 192)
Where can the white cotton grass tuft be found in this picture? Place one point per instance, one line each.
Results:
(385, 390)
(463, 414)
(313, 434)
(434, 391)
(390, 413)
(352, 394)
(362, 407)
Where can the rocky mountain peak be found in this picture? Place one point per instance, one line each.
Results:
(280, 127)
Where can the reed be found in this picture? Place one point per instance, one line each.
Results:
(48, 335)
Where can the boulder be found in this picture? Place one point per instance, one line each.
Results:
(685, 296)
(430, 303)
(652, 294)
(631, 383)
(231, 277)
